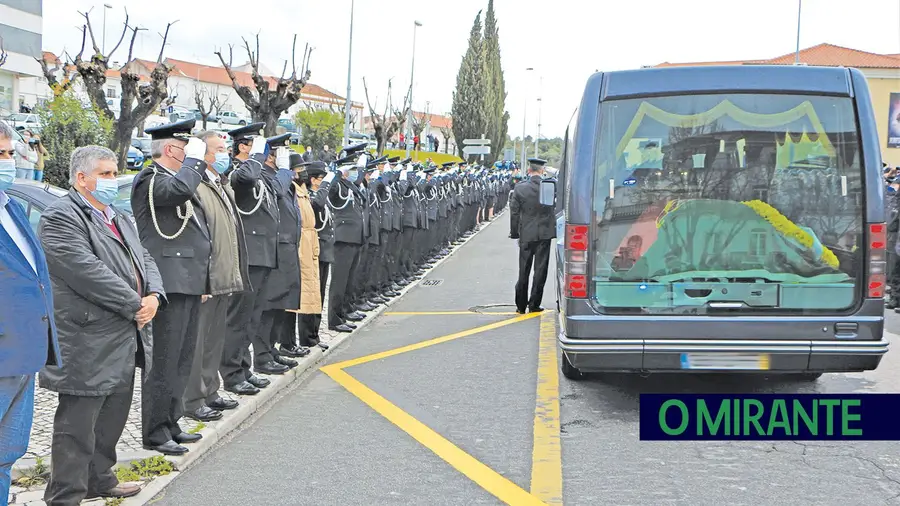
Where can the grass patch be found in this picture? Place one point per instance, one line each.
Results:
(200, 426)
(36, 475)
(145, 469)
(113, 501)
(421, 156)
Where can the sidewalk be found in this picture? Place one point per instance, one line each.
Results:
(130, 448)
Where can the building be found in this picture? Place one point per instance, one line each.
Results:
(441, 127)
(881, 70)
(21, 28)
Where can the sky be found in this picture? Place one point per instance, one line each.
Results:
(564, 41)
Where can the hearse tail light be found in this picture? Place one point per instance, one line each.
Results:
(877, 264)
(576, 261)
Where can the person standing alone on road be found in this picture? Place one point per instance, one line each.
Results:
(534, 226)
(26, 308)
(106, 290)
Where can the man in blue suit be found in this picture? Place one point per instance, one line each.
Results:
(27, 331)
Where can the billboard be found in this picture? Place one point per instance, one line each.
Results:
(893, 140)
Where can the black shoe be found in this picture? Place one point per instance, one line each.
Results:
(187, 438)
(535, 309)
(271, 368)
(341, 328)
(892, 304)
(288, 362)
(221, 404)
(203, 414)
(292, 351)
(520, 311)
(390, 294)
(356, 317)
(243, 388)
(323, 346)
(377, 299)
(168, 448)
(366, 307)
(120, 491)
(396, 288)
(258, 382)
(351, 325)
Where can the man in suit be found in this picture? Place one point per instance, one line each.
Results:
(534, 226)
(173, 228)
(106, 289)
(26, 310)
(257, 207)
(228, 268)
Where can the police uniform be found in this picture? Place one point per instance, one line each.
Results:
(534, 225)
(256, 204)
(173, 229)
(325, 230)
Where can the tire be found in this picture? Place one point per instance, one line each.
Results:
(242, 123)
(808, 376)
(569, 371)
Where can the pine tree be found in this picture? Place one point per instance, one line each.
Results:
(495, 86)
(468, 111)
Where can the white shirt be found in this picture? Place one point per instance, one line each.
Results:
(15, 232)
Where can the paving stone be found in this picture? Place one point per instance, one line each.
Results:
(32, 496)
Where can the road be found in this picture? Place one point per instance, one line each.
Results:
(453, 420)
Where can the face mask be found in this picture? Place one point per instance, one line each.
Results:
(7, 173)
(353, 176)
(222, 162)
(107, 191)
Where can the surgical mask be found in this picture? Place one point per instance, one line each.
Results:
(353, 175)
(7, 173)
(107, 191)
(222, 163)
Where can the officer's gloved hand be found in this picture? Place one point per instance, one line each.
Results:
(403, 174)
(195, 149)
(259, 145)
(283, 158)
(329, 177)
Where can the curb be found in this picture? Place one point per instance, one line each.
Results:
(217, 431)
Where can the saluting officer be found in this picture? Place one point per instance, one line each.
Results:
(318, 197)
(173, 228)
(256, 204)
(534, 226)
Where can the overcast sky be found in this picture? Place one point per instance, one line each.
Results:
(563, 40)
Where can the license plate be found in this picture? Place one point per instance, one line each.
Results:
(726, 361)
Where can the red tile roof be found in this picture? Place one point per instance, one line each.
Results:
(823, 55)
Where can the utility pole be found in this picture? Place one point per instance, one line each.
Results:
(106, 7)
(412, 75)
(799, 10)
(524, 122)
(537, 138)
(347, 105)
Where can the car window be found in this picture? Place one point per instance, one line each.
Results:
(123, 200)
(32, 212)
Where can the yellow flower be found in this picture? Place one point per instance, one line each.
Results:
(789, 229)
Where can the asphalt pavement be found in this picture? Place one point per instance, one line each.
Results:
(445, 413)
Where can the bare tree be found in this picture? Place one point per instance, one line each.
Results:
(419, 123)
(388, 123)
(447, 133)
(59, 86)
(202, 97)
(265, 103)
(138, 99)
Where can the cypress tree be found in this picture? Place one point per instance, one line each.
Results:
(495, 86)
(468, 100)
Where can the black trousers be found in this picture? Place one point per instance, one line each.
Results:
(346, 256)
(287, 331)
(274, 324)
(85, 433)
(308, 329)
(406, 250)
(243, 320)
(538, 253)
(203, 384)
(324, 271)
(175, 332)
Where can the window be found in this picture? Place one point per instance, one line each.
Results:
(33, 214)
(110, 93)
(758, 242)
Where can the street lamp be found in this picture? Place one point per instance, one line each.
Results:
(412, 73)
(799, 10)
(537, 138)
(349, 60)
(524, 115)
(105, 8)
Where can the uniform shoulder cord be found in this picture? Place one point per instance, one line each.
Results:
(346, 199)
(325, 218)
(260, 193)
(185, 217)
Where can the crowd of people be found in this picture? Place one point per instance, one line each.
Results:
(220, 280)
(30, 155)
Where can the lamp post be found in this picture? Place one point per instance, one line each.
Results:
(799, 10)
(537, 138)
(412, 74)
(347, 105)
(105, 8)
(524, 123)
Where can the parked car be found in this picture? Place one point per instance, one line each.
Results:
(231, 118)
(134, 159)
(180, 116)
(288, 125)
(123, 201)
(143, 144)
(21, 121)
(35, 197)
(212, 118)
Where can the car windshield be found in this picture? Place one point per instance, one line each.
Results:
(742, 202)
(123, 200)
(18, 117)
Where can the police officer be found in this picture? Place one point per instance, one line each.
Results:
(257, 206)
(318, 196)
(534, 226)
(173, 229)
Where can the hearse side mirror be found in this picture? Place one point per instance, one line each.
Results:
(548, 192)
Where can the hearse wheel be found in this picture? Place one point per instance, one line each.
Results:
(569, 371)
(805, 376)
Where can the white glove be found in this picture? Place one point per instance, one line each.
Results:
(376, 174)
(283, 158)
(329, 177)
(403, 174)
(420, 175)
(195, 149)
(387, 167)
(259, 145)
(362, 161)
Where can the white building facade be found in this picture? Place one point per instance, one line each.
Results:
(21, 28)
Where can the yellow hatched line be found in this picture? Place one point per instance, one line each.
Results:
(484, 476)
(546, 458)
(430, 342)
(444, 313)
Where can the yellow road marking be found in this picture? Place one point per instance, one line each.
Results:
(442, 313)
(546, 458)
(431, 342)
(487, 478)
